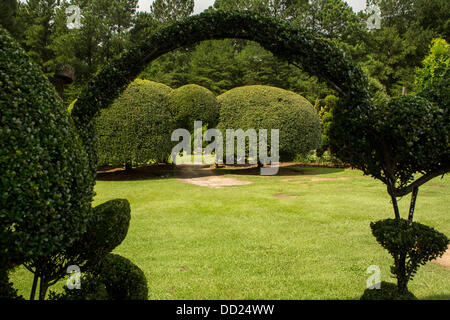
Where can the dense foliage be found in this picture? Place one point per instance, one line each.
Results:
(138, 126)
(191, 103)
(46, 186)
(411, 245)
(263, 107)
(122, 278)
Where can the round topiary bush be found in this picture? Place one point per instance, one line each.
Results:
(122, 278)
(137, 127)
(46, 186)
(264, 107)
(411, 244)
(191, 103)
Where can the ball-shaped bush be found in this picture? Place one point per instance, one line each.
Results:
(122, 278)
(137, 127)
(264, 107)
(46, 186)
(191, 103)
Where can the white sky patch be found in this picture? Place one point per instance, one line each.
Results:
(200, 5)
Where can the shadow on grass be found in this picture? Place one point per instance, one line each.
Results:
(186, 171)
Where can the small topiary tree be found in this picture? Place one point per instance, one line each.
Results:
(404, 143)
(263, 107)
(138, 126)
(191, 103)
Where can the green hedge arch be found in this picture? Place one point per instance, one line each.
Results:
(315, 55)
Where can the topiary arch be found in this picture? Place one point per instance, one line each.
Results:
(315, 55)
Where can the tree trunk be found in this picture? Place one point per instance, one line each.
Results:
(402, 278)
(33, 288)
(394, 201)
(43, 288)
(413, 205)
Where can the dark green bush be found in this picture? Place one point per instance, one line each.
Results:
(387, 291)
(91, 288)
(7, 291)
(138, 126)
(411, 245)
(264, 107)
(45, 182)
(191, 103)
(106, 231)
(122, 278)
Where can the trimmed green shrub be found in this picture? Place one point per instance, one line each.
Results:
(138, 126)
(411, 245)
(122, 278)
(191, 103)
(264, 107)
(387, 291)
(105, 232)
(45, 182)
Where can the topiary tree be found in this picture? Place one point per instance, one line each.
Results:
(191, 103)
(263, 107)
(138, 126)
(404, 143)
(46, 184)
(46, 219)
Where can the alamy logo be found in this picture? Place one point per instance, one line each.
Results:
(74, 17)
(256, 150)
(374, 20)
(374, 280)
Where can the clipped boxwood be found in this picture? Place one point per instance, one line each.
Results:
(122, 278)
(191, 103)
(138, 126)
(45, 182)
(264, 107)
(410, 244)
(105, 232)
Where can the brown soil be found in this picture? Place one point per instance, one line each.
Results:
(282, 195)
(445, 259)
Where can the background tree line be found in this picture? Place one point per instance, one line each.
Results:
(390, 55)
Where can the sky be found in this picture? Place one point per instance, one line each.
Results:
(200, 5)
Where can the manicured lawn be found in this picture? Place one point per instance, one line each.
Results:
(242, 242)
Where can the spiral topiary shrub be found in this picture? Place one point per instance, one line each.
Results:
(264, 107)
(138, 126)
(191, 103)
(46, 186)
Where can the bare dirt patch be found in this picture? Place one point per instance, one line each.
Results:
(215, 181)
(445, 259)
(330, 179)
(286, 196)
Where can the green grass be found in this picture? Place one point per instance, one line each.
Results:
(242, 242)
